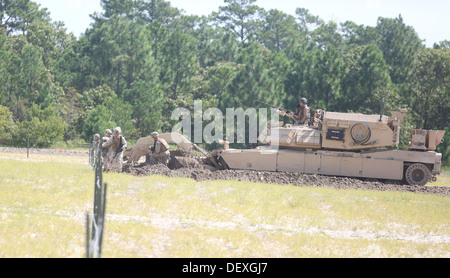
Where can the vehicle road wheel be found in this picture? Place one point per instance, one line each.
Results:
(417, 174)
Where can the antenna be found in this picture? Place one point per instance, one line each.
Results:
(383, 103)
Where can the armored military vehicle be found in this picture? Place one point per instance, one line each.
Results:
(343, 144)
(332, 143)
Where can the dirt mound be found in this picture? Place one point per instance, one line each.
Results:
(296, 179)
(178, 162)
(181, 153)
(186, 165)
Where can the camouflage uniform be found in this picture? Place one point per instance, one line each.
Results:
(160, 151)
(117, 144)
(93, 153)
(302, 114)
(106, 152)
(96, 141)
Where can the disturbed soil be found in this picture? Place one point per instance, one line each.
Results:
(192, 170)
(296, 179)
(189, 168)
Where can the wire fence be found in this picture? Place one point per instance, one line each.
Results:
(95, 221)
(94, 236)
(36, 144)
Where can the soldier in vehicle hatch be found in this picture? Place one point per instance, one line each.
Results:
(302, 113)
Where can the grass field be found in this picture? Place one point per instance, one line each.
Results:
(44, 199)
(443, 179)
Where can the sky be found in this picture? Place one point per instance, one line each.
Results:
(429, 18)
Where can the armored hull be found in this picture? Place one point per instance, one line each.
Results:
(386, 165)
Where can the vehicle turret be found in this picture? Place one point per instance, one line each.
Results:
(347, 131)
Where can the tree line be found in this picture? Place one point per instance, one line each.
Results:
(141, 59)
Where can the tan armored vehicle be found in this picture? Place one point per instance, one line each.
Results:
(337, 144)
(344, 144)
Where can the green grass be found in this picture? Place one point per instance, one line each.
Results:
(43, 201)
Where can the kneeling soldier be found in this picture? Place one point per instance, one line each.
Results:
(160, 151)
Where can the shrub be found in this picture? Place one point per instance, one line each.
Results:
(42, 127)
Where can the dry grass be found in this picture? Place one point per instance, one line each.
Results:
(443, 179)
(43, 201)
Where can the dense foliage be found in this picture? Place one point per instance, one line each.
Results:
(139, 60)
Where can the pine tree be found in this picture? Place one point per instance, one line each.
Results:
(400, 45)
(241, 17)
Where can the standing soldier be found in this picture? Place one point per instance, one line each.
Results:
(106, 150)
(94, 149)
(160, 151)
(108, 134)
(96, 141)
(117, 144)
